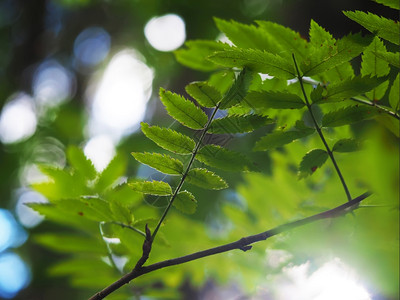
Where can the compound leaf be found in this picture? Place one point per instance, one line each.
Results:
(222, 158)
(256, 60)
(169, 139)
(279, 100)
(348, 115)
(185, 202)
(281, 138)
(380, 26)
(205, 94)
(154, 187)
(161, 162)
(238, 124)
(182, 110)
(238, 90)
(80, 162)
(313, 160)
(206, 179)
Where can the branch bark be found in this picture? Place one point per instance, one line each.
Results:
(243, 244)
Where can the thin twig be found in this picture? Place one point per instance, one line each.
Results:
(321, 135)
(243, 244)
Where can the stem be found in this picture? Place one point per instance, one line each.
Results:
(242, 244)
(129, 227)
(178, 188)
(328, 150)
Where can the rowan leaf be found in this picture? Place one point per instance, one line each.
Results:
(392, 58)
(348, 115)
(238, 90)
(327, 57)
(169, 139)
(279, 100)
(256, 60)
(154, 187)
(281, 138)
(205, 94)
(346, 145)
(205, 179)
(391, 3)
(394, 95)
(182, 110)
(313, 160)
(345, 89)
(380, 26)
(222, 158)
(161, 162)
(185, 202)
(238, 123)
(195, 54)
(80, 162)
(68, 243)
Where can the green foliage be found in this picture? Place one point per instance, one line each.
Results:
(380, 26)
(102, 209)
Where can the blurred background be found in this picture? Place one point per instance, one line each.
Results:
(87, 72)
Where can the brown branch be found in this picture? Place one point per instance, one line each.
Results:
(242, 244)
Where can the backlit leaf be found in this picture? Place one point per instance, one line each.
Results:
(205, 179)
(222, 158)
(380, 26)
(185, 202)
(345, 89)
(346, 145)
(161, 162)
(348, 115)
(182, 110)
(115, 169)
(154, 187)
(391, 3)
(238, 124)
(256, 60)
(238, 90)
(206, 95)
(169, 139)
(67, 243)
(80, 162)
(278, 100)
(394, 95)
(313, 160)
(281, 138)
(392, 58)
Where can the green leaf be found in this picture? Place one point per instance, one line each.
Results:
(222, 158)
(67, 243)
(205, 95)
(380, 26)
(338, 73)
(161, 162)
(115, 169)
(285, 40)
(392, 58)
(345, 89)
(371, 64)
(121, 213)
(328, 57)
(238, 124)
(346, 145)
(194, 56)
(238, 90)
(182, 110)
(256, 60)
(154, 187)
(348, 115)
(391, 3)
(279, 100)
(185, 202)
(245, 36)
(281, 138)
(313, 160)
(169, 139)
(80, 162)
(205, 179)
(394, 95)
(319, 36)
